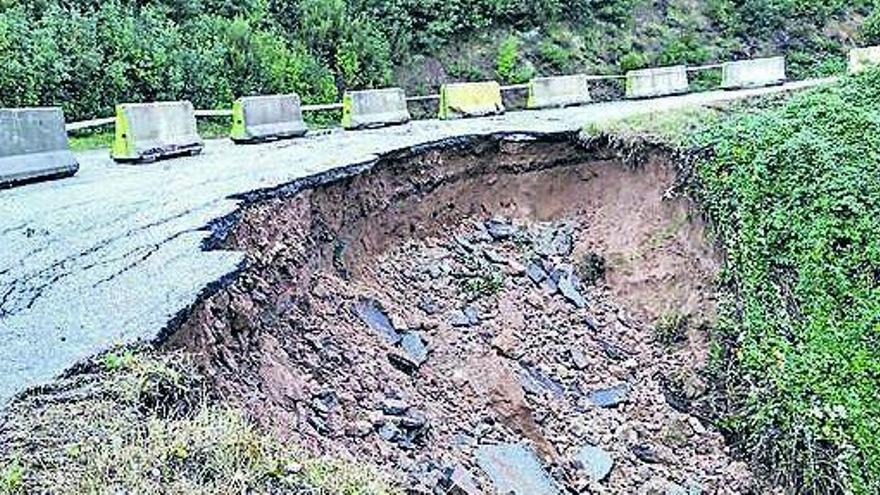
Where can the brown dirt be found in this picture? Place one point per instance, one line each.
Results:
(283, 339)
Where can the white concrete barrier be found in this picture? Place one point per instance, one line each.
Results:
(557, 92)
(471, 99)
(33, 146)
(264, 118)
(753, 73)
(862, 58)
(662, 81)
(374, 108)
(147, 131)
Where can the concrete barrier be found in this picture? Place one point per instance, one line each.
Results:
(147, 131)
(374, 108)
(458, 100)
(862, 58)
(663, 81)
(33, 146)
(265, 118)
(562, 91)
(753, 73)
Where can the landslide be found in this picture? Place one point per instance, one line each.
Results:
(478, 313)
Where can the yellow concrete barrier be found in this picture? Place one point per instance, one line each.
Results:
(147, 131)
(459, 100)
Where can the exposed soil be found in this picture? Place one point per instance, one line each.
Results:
(503, 290)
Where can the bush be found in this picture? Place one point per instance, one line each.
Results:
(795, 198)
(633, 61)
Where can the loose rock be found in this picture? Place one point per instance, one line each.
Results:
(514, 469)
(595, 461)
(610, 397)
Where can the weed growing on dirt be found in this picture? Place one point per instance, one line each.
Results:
(137, 422)
(11, 478)
(671, 328)
(488, 283)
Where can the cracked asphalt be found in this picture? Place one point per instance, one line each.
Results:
(111, 255)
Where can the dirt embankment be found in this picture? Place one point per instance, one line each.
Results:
(492, 313)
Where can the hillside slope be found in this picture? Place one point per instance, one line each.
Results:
(792, 191)
(89, 55)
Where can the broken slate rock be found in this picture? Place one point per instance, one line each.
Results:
(467, 317)
(458, 481)
(464, 243)
(645, 454)
(554, 242)
(414, 348)
(388, 431)
(414, 420)
(394, 407)
(579, 359)
(428, 304)
(495, 257)
(569, 287)
(536, 272)
(514, 469)
(610, 397)
(562, 242)
(535, 381)
(500, 229)
(371, 313)
(594, 461)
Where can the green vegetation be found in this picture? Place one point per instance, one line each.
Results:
(671, 328)
(792, 190)
(137, 422)
(486, 284)
(794, 193)
(88, 55)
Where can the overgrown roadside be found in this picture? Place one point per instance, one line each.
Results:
(138, 421)
(791, 190)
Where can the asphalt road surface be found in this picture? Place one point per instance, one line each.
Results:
(111, 255)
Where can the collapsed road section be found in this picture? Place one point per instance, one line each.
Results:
(484, 314)
(111, 254)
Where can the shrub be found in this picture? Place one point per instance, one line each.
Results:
(509, 65)
(794, 195)
(633, 61)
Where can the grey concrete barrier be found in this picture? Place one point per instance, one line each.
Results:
(264, 118)
(561, 91)
(753, 73)
(862, 58)
(374, 108)
(33, 146)
(662, 81)
(147, 131)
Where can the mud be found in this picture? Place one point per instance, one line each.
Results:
(442, 247)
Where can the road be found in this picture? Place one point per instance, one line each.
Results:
(112, 254)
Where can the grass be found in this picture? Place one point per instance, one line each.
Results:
(671, 328)
(143, 423)
(791, 188)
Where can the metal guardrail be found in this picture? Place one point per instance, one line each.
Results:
(704, 67)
